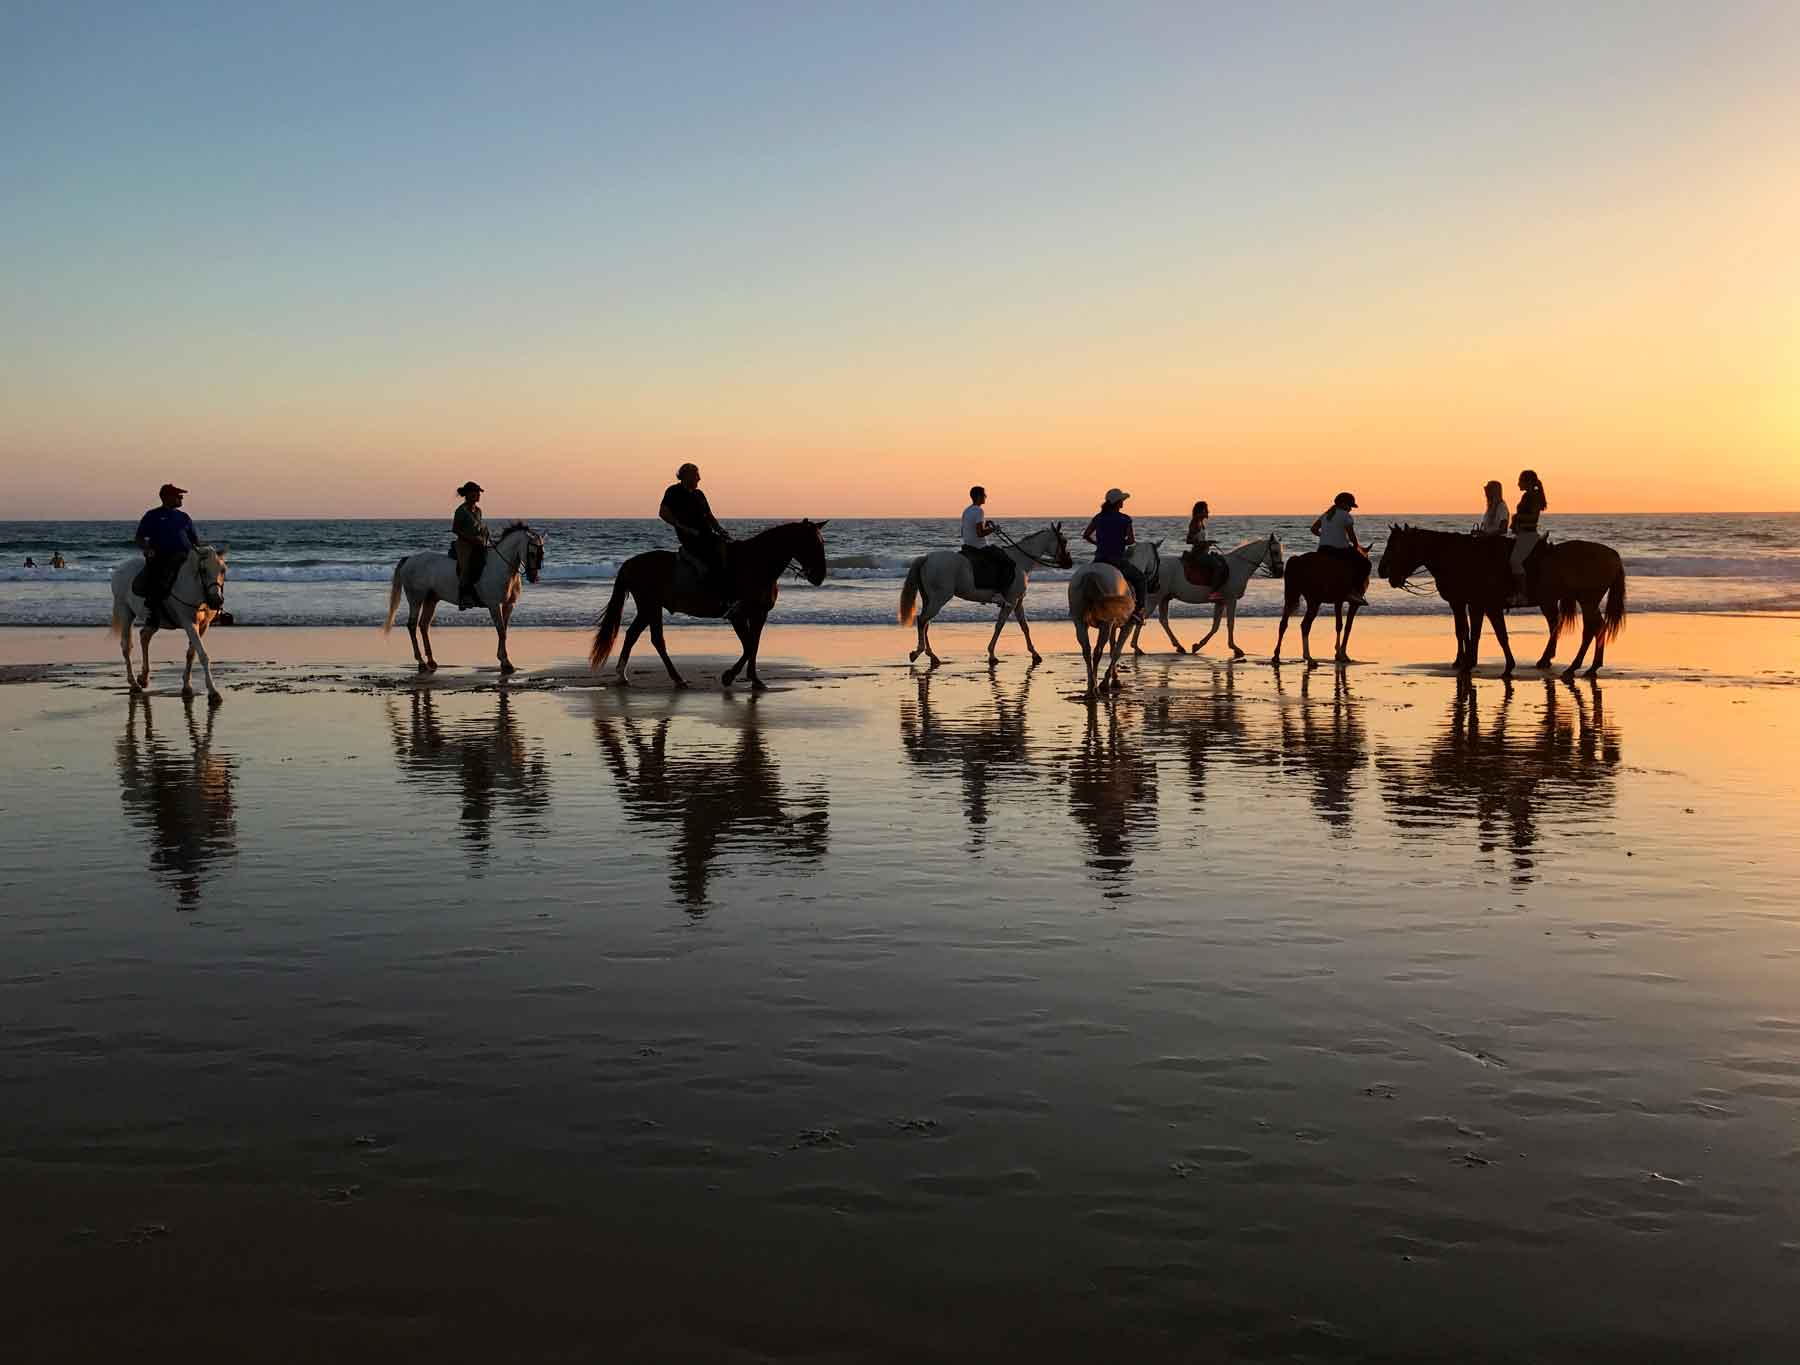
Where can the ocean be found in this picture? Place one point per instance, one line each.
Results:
(336, 573)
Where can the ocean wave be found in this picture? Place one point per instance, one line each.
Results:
(1715, 566)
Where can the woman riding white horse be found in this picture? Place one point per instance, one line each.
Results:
(429, 578)
(1172, 585)
(943, 574)
(196, 596)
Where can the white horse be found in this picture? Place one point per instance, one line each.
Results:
(1243, 563)
(429, 578)
(196, 596)
(1099, 596)
(944, 574)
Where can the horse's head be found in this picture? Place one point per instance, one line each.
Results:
(211, 568)
(534, 554)
(810, 550)
(1064, 560)
(1274, 562)
(1402, 557)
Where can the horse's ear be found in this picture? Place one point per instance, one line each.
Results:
(224, 548)
(821, 525)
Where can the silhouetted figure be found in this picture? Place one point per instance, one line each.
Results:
(165, 534)
(1111, 534)
(1327, 742)
(180, 796)
(483, 759)
(470, 544)
(710, 794)
(982, 744)
(1112, 794)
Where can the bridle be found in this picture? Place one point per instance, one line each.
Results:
(197, 605)
(1405, 584)
(1037, 559)
(512, 565)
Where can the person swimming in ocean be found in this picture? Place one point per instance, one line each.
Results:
(57, 561)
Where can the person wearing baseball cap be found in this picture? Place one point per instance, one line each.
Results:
(1110, 534)
(165, 534)
(471, 544)
(1336, 530)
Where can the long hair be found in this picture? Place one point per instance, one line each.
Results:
(1201, 512)
(1531, 480)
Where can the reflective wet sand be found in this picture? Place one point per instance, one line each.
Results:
(1360, 1014)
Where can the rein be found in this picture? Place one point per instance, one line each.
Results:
(1037, 559)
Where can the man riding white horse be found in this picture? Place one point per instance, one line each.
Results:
(993, 569)
(179, 582)
(165, 534)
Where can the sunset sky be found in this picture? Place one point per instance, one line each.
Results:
(315, 259)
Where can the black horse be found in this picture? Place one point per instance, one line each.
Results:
(1566, 578)
(652, 580)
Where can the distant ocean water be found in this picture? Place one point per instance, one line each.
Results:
(335, 573)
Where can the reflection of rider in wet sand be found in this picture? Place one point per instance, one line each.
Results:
(980, 743)
(480, 758)
(709, 794)
(1566, 766)
(1112, 792)
(1332, 751)
(182, 800)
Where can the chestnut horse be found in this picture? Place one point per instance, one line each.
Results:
(753, 565)
(1566, 578)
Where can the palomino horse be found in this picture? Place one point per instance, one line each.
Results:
(1318, 577)
(197, 595)
(430, 578)
(1100, 597)
(943, 574)
(1173, 586)
(1566, 577)
(651, 581)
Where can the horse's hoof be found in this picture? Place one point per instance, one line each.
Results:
(679, 683)
(1037, 658)
(1568, 675)
(508, 668)
(187, 694)
(726, 679)
(1235, 654)
(214, 699)
(758, 685)
(431, 667)
(913, 658)
(620, 680)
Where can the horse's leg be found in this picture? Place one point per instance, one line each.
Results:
(1087, 656)
(639, 624)
(144, 648)
(1162, 614)
(1112, 667)
(500, 617)
(1287, 610)
(742, 627)
(662, 650)
(195, 646)
(187, 673)
(1343, 654)
(1230, 607)
(1472, 647)
(999, 623)
(1599, 645)
(927, 610)
(1554, 621)
(1025, 630)
(412, 631)
(1497, 616)
(1218, 613)
(754, 643)
(125, 633)
(1590, 627)
(426, 613)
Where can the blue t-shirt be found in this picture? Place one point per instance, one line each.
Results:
(1110, 527)
(168, 529)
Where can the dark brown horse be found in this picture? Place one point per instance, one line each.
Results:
(654, 583)
(1566, 578)
(1319, 577)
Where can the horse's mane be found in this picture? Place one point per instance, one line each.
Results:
(516, 526)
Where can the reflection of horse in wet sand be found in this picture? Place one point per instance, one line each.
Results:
(180, 797)
(1112, 791)
(1328, 742)
(711, 794)
(983, 744)
(1204, 723)
(484, 759)
(1506, 776)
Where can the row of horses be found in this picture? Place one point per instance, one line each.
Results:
(1567, 579)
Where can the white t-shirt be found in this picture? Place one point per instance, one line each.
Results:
(1335, 528)
(973, 516)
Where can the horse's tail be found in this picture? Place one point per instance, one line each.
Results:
(1091, 601)
(909, 591)
(1614, 617)
(608, 629)
(118, 625)
(387, 622)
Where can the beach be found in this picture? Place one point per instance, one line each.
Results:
(1360, 1013)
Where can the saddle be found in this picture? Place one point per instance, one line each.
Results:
(993, 571)
(693, 581)
(1208, 570)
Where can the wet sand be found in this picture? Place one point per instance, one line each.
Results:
(1342, 1014)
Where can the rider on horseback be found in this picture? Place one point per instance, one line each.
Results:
(1493, 520)
(990, 564)
(1202, 554)
(471, 544)
(1336, 531)
(165, 534)
(685, 508)
(1525, 529)
(1109, 533)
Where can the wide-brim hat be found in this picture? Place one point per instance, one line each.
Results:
(470, 487)
(1116, 495)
